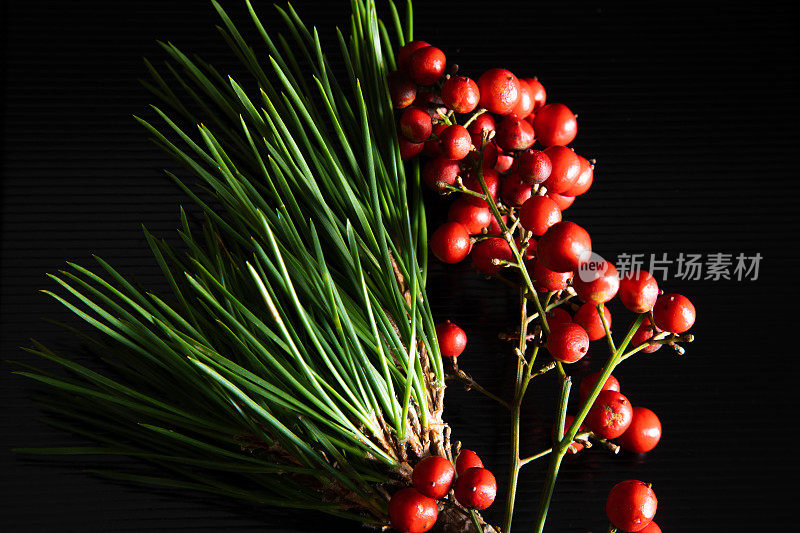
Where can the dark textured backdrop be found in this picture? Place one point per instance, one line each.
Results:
(691, 113)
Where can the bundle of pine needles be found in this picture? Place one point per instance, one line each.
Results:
(295, 363)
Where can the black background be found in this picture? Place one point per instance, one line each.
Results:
(691, 113)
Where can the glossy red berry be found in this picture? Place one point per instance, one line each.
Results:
(440, 171)
(596, 281)
(525, 104)
(575, 447)
(415, 125)
(631, 505)
(585, 178)
(588, 383)
(460, 94)
(563, 246)
(451, 338)
(674, 313)
(565, 169)
(558, 316)
(534, 166)
(555, 124)
(487, 250)
(474, 218)
(514, 191)
(538, 93)
(546, 280)
(450, 242)
(588, 317)
(642, 334)
(567, 342)
(432, 147)
(467, 459)
(409, 150)
(412, 512)
(514, 134)
(610, 415)
(494, 227)
(638, 291)
(476, 488)
(504, 161)
(499, 91)
(455, 142)
(483, 123)
(426, 65)
(471, 182)
(538, 213)
(563, 201)
(433, 476)
(644, 432)
(405, 53)
(652, 527)
(402, 90)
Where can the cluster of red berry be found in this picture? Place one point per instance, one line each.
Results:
(414, 509)
(511, 196)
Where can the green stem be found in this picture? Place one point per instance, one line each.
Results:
(475, 521)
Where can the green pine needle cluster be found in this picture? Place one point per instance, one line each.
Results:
(295, 363)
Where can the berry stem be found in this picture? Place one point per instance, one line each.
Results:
(580, 437)
(475, 521)
(478, 112)
(470, 383)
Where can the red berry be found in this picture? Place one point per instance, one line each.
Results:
(525, 104)
(546, 280)
(482, 123)
(610, 415)
(652, 527)
(563, 246)
(638, 291)
(597, 281)
(530, 251)
(566, 167)
(674, 313)
(476, 488)
(426, 98)
(575, 447)
(432, 147)
(405, 53)
(438, 172)
(461, 94)
(415, 124)
(642, 334)
(588, 317)
(557, 316)
(534, 166)
(499, 91)
(588, 383)
(409, 150)
(474, 218)
(514, 191)
(451, 338)
(514, 134)
(402, 90)
(563, 201)
(455, 142)
(433, 476)
(426, 65)
(538, 213)
(494, 227)
(554, 124)
(538, 93)
(489, 249)
(644, 432)
(567, 342)
(631, 505)
(411, 512)
(472, 183)
(585, 179)
(467, 459)
(504, 161)
(450, 242)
